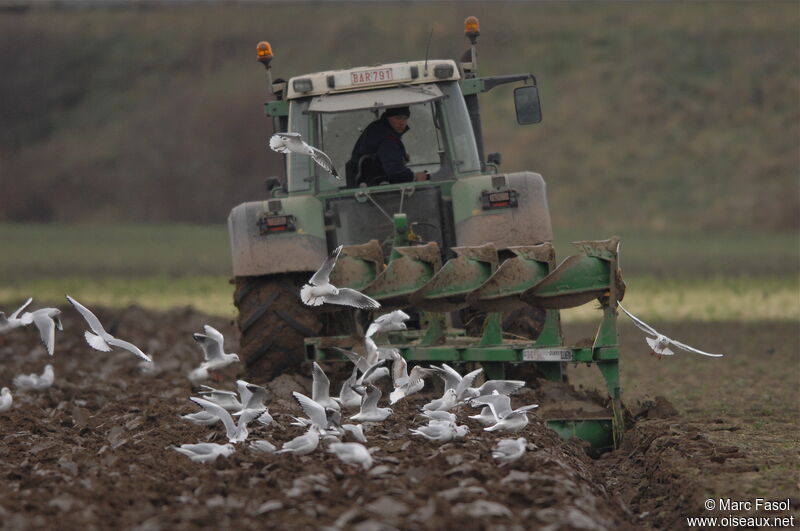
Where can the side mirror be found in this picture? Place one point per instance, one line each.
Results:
(494, 158)
(526, 104)
(271, 183)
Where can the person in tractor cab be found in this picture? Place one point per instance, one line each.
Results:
(379, 154)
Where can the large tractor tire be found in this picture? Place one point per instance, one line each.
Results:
(273, 322)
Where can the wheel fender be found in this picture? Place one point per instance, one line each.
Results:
(301, 246)
(527, 223)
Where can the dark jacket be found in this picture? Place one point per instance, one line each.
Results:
(382, 142)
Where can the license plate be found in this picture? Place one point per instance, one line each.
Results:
(547, 354)
(366, 77)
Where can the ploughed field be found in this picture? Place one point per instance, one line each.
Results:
(94, 450)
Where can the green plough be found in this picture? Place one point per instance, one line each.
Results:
(482, 279)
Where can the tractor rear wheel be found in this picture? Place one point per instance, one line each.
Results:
(273, 322)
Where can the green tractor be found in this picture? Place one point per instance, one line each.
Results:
(467, 253)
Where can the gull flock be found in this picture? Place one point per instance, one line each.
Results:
(327, 419)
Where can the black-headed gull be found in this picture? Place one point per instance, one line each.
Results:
(293, 142)
(205, 452)
(485, 417)
(406, 383)
(453, 380)
(303, 444)
(326, 420)
(441, 431)
(319, 290)
(101, 340)
(262, 446)
(253, 397)
(5, 399)
(36, 381)
(370, 412)
(388, 322)
(509, 450)
(201, 418)
(502, 387)
(447, 402)
(352, 453)
(13, 321)
(661, 343)
(236, 433)
(215, 357)
(45, 319)
(507, 419)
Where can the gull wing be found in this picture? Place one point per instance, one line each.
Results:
(96, 342)
(638, 322)
(323, 274)
(324, 161)
(207, 390)
(18, 310)
(374, 367)
(130, 347)
(47, 329)
(449, 375)
(276, 143)
(441, 373)
(525, 408)
(466, 382)
(687, 348)
(215, 334)
(347, 384)
(351, 297)
(499, 404)
(91, 319)
(217, 411)
(314, 411)
(373, 355)
(321, 385)
(399, 370)
(503, 387)
(370, 402)
(418, 373)
(244, 392)
(212, 349)
(358, 360)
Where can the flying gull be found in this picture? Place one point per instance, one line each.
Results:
(319, 290)
(293, 142)
(661, 343)
(101, 340)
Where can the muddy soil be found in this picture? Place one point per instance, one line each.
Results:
(94, 452)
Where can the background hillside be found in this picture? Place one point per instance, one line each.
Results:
(656, 115)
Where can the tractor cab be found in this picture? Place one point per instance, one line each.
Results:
(440, 139)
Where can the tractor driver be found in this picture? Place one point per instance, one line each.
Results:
(379, 154)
